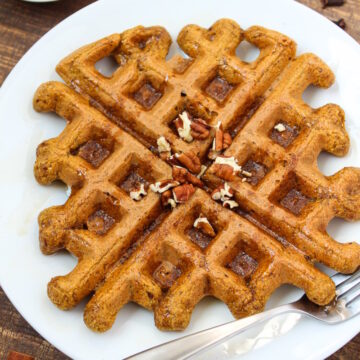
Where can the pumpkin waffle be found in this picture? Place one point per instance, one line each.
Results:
(146, 93)
(283, 187)
(130, 245)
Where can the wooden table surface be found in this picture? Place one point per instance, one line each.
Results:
(21, 25)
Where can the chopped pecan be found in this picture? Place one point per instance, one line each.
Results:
(223, 192)
(199, 129)
(203, 224)
(162, 186)
(172, 160)
(202, 171)
(222, 140)
(190, 160)
(183, 126)
(165, 156)
(218, 139)
(182, 175)
(137, 194)
(280, 127)
(179, 174)
(163, 145)
(178, 123)
(166, 199)
(192, 179)
(190, 128)
(183, 193)
(227, 140)
(226, 167)
(230, 204)
(224, 172)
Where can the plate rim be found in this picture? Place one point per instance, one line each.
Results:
(341, 340)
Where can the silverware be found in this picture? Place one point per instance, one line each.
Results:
(344, 307)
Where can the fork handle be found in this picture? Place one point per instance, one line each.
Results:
(187, 346)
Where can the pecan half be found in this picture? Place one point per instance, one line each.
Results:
(183, 193)
(182, 175)
(190, 160)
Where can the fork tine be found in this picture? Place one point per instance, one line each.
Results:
(353, 298)
(347, 282)
(351, 288)
(355, 294)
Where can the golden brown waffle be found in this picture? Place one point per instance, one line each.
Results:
(195, 272)
(178, 84)
(129, 248)
(99, 222)
(286, 191)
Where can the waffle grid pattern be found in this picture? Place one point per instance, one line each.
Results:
(131, 250)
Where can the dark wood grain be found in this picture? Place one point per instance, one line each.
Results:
(21, 25)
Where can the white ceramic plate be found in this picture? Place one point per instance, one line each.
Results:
(24, 271)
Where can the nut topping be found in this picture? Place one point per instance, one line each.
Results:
(179, 174)
(202, 171)
(183, 126)
(166, 199)
(137, 195)
(190, 160)
(280, 127)
(183, 193)
(199, 129)
(221, 142)
(172, 160)
(162, 186)
(226, 167)
(203, 224)
(163, 145)
(191, 128)
(246, 173)
(182, 175)
(230, 204)
(222, 192)
(229, 161)
(227, 140)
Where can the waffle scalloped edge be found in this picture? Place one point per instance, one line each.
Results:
(112, 236)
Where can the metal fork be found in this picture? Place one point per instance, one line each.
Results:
(344, 307)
